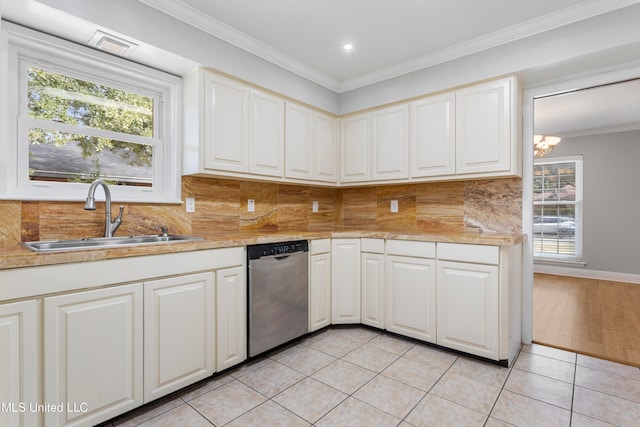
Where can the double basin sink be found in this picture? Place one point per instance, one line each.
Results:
(104, 242)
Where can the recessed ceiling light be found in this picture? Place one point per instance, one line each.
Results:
(348, 46)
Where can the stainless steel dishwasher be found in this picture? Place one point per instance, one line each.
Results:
(278, 294)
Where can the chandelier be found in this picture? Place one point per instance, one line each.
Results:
(543, 145)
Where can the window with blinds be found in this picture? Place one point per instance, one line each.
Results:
(557, 208)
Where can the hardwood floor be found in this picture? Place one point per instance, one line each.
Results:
(593, 317)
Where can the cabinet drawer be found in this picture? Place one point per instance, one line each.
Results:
(319, 246)
(411, 248)
(375, 246)
(480, 254)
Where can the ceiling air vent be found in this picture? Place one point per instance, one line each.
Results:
(112, 44)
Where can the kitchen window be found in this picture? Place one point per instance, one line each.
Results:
(557, 209)
(81, 115)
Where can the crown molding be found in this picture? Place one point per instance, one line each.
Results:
(532, 27)
(191, 16)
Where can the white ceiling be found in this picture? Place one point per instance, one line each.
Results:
(603, 109)
(390, 38)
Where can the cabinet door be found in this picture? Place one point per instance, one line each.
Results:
(231, 317)
(226, 138)
(93, 354)
(468, 308)
(179, 333)
(266, 140)
(345, 283)
(320, 291)
(411, 297)
(299, 142)
(19, 368)
(390, 143)
(373, 290)
(355, 148)
(432, 137)
(483, 127)
(326, 148)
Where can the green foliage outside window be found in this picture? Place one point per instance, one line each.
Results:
(85, 105)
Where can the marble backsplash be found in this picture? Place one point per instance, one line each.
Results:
(221, 206)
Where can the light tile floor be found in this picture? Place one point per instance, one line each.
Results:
(357, 376)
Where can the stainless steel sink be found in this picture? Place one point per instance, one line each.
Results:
(104, 242)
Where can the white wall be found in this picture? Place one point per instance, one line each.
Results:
(607, 40)
(611, 199)
(145, 24)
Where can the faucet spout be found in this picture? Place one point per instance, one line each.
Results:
(90, 205)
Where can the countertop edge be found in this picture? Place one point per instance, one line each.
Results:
(17, 256)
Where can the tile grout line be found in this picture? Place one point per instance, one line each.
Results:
(429, 391)
(303, 344)
(495, 402)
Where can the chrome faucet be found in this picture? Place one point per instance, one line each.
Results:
(90, 205)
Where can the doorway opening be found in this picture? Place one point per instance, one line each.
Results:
(586, 286)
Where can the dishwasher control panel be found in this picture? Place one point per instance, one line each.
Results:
(277, 249)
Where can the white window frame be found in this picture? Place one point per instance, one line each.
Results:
(577, 258)
(22, 48)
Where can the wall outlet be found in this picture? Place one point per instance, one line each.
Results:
(314, 206)
(190, 204)
(394, 206)
(251, 205)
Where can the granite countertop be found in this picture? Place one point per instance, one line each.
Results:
(15, 256)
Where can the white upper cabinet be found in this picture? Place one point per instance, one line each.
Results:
(374, 146)
(226, 137)
(231, 128)
(326, 148)
(299, 140)
(355, 148)
(390, 143)
(485, 128)
(266, 138)
(311, 144)
(432, 136)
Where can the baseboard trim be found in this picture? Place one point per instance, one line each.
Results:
(587, 274)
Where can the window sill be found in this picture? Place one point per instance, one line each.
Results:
(558, 261)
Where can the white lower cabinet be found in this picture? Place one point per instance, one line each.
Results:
(373, 282)
(468, 310)
(19, 363)
(179, 332)
(373, 290)
(411, 297)
(231, 317)
(100, 338)
(93, 355)
(345, 281)
(319, 284)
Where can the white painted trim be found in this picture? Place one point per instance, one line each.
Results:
(22, 47)
(189, 15)
(597, 77)
(548, 22)
(559, 270)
